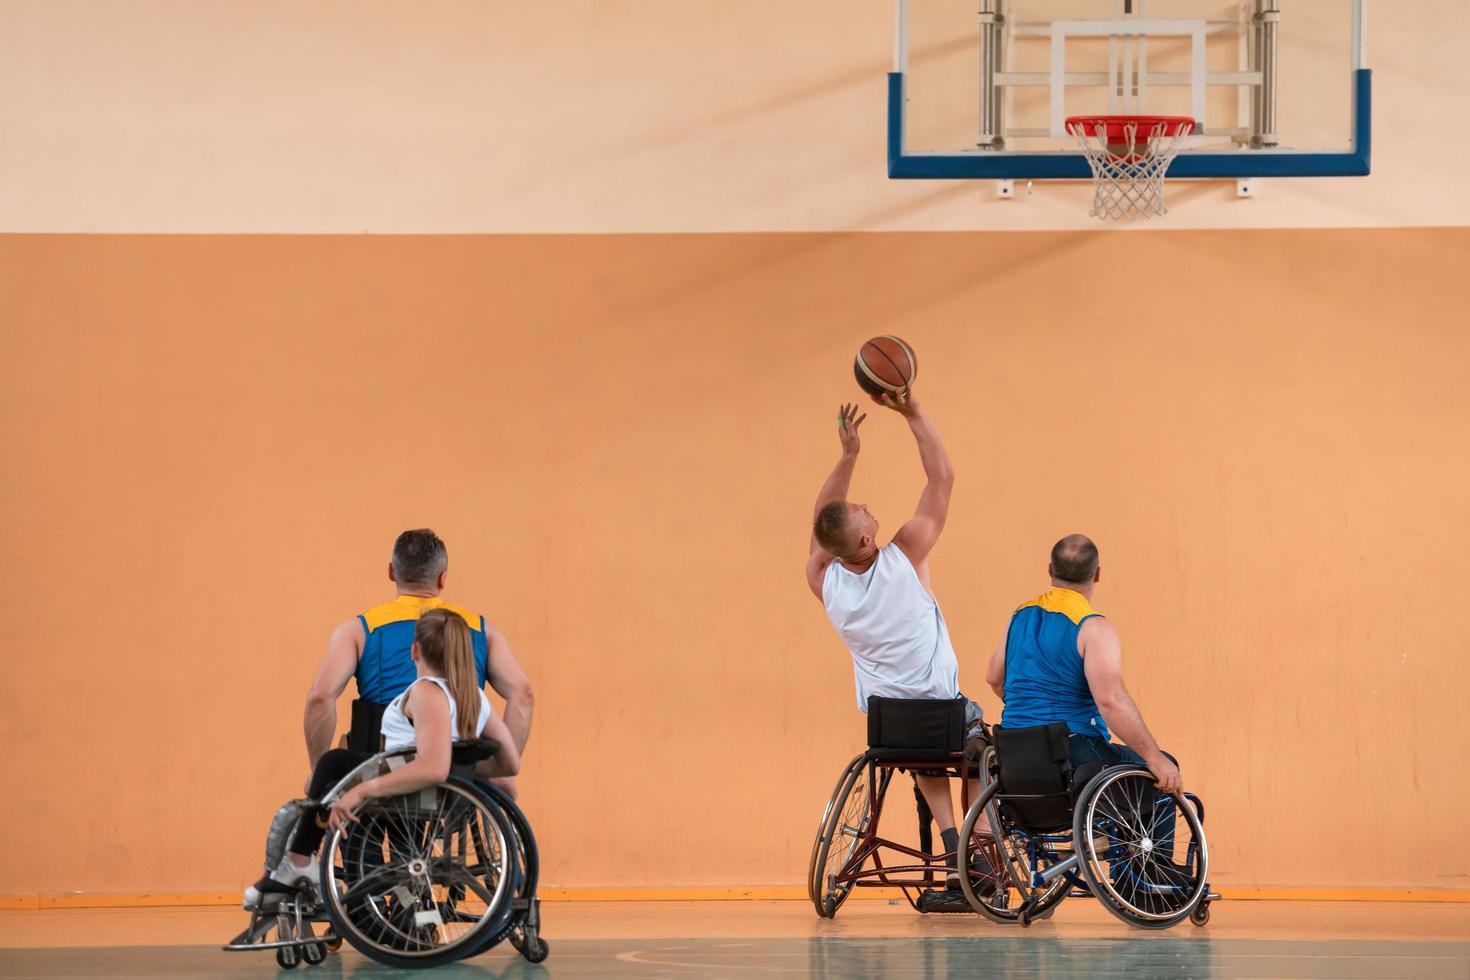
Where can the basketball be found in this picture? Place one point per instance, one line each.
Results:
(885, 365)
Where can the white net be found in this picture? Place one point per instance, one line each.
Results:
(1129, 159)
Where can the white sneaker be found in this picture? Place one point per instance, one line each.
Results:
(280, 882)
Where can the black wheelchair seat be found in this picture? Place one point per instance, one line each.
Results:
(936, 756)
(929, 725)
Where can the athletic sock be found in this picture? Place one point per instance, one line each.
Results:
(951, 839)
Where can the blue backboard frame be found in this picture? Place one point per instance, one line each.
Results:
(1059, 165)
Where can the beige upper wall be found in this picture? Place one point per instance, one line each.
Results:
(461, 116)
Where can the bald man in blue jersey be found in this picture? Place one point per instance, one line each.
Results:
(1062, 661)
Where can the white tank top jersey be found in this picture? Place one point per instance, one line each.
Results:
(398, 730)
(893, 628)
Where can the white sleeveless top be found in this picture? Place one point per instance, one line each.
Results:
(893, 628)
(398, 730)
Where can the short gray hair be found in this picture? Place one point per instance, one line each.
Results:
(419, 557)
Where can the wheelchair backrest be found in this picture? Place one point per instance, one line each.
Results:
(1034, 763)
(916, 723)
(366, 733)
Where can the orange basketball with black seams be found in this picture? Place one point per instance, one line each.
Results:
(885, 365)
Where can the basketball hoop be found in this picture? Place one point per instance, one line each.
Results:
(1129, 156)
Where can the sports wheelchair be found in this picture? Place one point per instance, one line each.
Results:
(423, 879)
(918, 735)
(1104, 831)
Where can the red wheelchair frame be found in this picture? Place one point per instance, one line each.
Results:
(849, 852)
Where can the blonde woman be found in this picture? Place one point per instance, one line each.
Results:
(444, 704)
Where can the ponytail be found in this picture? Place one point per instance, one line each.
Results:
(444, 643)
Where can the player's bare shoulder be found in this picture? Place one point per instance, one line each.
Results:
(1096, 629)
(350, 631)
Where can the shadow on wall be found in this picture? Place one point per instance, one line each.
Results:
(871, 74)
(911, 290)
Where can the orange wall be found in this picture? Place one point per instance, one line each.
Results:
(211, 441)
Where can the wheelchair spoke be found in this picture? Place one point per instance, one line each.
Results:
(373, 883)
(463, 877)
(1120, 810)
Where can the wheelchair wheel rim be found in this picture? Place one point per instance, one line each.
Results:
(815, 881)
(846, 826)
(1013, 888)
(1137, 879)
(420, 877)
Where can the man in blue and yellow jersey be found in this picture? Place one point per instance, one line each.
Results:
(1061, 661)
(373, 648)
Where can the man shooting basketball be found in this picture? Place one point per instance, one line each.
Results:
(879, 599)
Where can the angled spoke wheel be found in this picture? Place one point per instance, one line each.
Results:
(1002, 894)
(844, 826)
(1142, 852)
(421, 879)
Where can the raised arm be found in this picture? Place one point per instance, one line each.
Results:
(1102, 662)
(918, 537)
(338, 666)
(508, 680)
(837, 482)
(834, 488)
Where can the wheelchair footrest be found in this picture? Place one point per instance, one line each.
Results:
(284, 925)
(934, 900)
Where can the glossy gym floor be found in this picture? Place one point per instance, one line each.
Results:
(784, 939)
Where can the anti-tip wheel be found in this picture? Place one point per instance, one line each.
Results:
(1201, 914)
(331, 942)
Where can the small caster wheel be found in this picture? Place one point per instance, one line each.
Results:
(286, 957)
(535, 949)
(332, 942)
(314, 953)
(1201, 914)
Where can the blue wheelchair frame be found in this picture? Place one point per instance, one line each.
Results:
(1056, 852)
(1037, 851)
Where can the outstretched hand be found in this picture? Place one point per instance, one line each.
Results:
(848, 421)
(904, 402)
